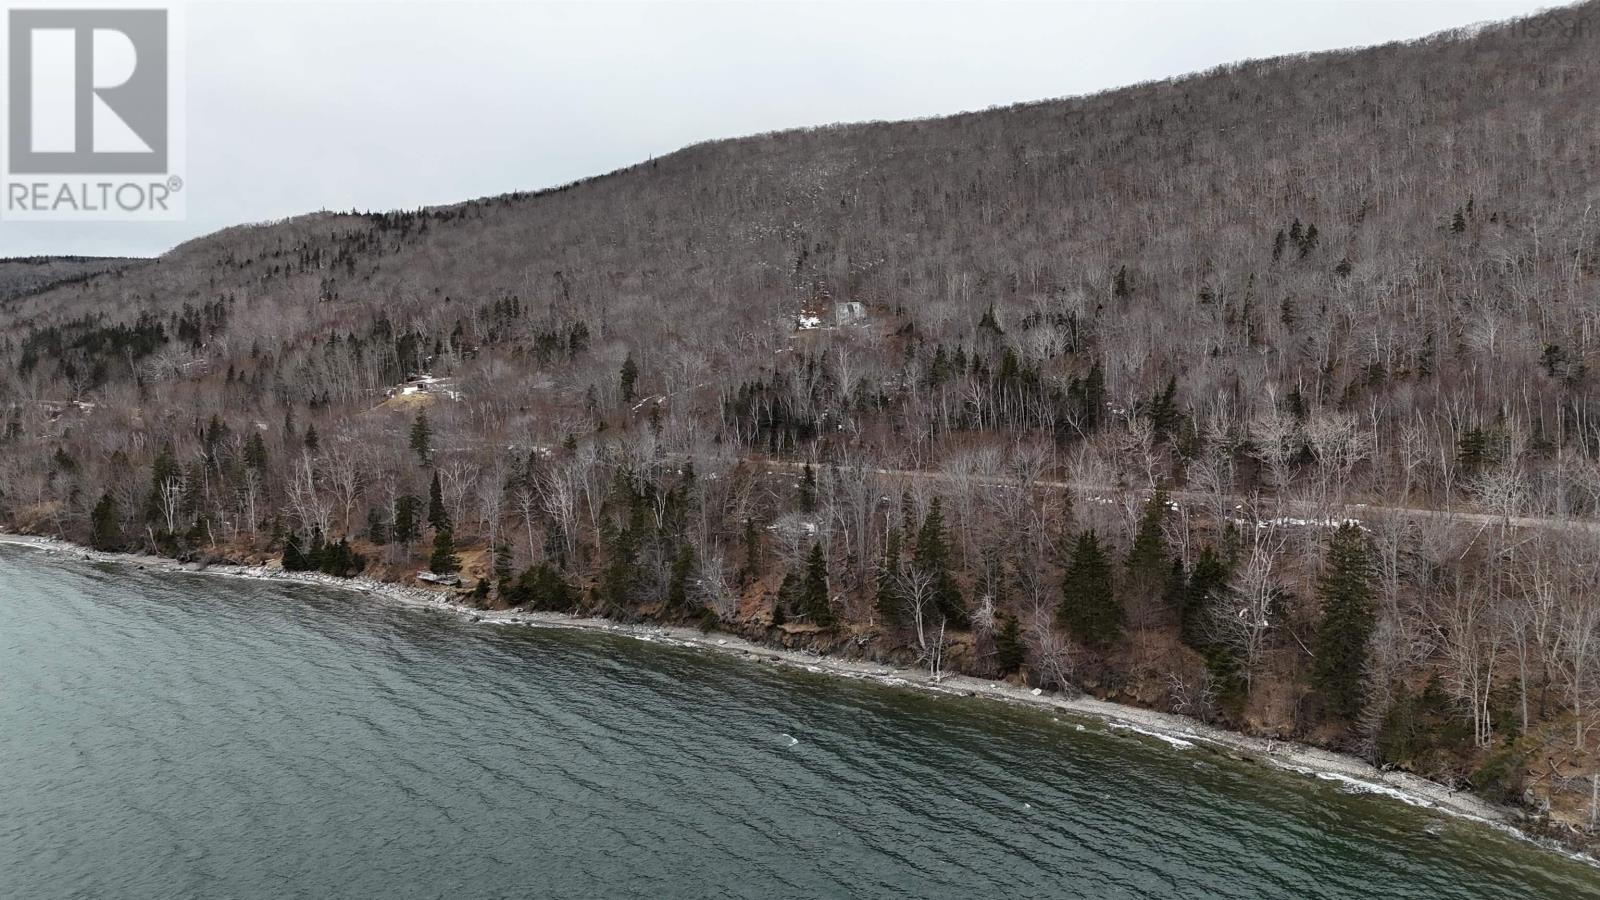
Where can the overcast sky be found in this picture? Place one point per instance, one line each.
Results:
(295, 107)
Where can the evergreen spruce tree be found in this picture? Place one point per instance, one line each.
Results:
(214, 436)
(620, 579)
(628, 378)
(1207, 582)
(808, 490)
(788, 593)
(377, 526)
(990, 322)
(932, 555)
(542, 588)
(814, 589)
(678, 580)
(1309, 243)
(422, 437)
(502, 567)
(1147, 558)
(1089, 395)
(1008, 650)
(162, 470)
(255, 452)
(1089, 609)
(407, 527)
(444, 560)
(1120, 287)
(1164, 414)
(293, 557)
(438, 516)
(64, 461)
(341, 561)
(1176, 587)
(315, 550)
(752, 552)
(1349, 617)
(312, 439)
(105, 525)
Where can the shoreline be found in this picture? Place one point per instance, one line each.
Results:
(1180, 733)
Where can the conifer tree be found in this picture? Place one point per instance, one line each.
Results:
(932, 555)
(1164, 414)
(1207, 582)
(678, 580)
(1176, 586)
(422, 437)
(1089, 395)
(377, 526)
(808, 489)
(1349, 617)
(502, 566)
(788, 591)
(312, 439)
(1147, 558)
(255, 452)
(314, 551)
(215, 435)
(989, 322)
(105, 524)
(620, 580)
(1309, 242)
(814, 589)
(438, 516)
(1008, 650)
(752, 552)
(628, 378)
(542, 588)
(407, 528)
(1089, 608)
(162, 470)
(444, 560)
(64, 461)
(293, 557)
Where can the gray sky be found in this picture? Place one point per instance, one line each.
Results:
(294, 107)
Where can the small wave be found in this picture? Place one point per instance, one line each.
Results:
(1351, 785)
(1177, 743)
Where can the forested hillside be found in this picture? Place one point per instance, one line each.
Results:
(1263, 395)
(21, 276)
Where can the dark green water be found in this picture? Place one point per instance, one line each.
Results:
(185, 736)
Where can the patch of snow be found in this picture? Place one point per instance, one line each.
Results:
(1293, 522)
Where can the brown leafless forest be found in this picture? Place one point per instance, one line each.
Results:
(1263, 395)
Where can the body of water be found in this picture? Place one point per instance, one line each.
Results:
(166, 735)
